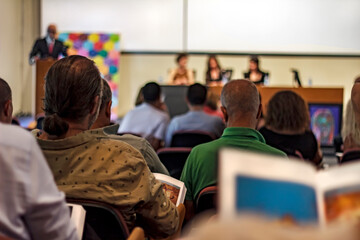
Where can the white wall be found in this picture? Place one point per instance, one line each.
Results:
(21, 29)
(18, 29)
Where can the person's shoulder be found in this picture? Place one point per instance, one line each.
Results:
(16, 137)
(162, 114)
(135, 141)
(207, 148)
(58, 41)
(115, 146)
(179, 118)
(213, 118)
(271, 150)
(265, 131)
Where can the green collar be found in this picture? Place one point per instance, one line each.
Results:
(243, 132)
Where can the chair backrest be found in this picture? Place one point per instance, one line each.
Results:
(174, 159)
(190, 138)
(102, 220)
(350, 156)
(206, 199)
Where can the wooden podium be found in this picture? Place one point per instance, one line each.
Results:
(41, 68)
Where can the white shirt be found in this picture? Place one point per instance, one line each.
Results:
(31, 206)
(146, 121)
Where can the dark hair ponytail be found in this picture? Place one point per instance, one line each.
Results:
(71, 85)
(54, 125)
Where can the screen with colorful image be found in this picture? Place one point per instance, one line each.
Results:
(104, 50)
(289, 202)
(326, 122)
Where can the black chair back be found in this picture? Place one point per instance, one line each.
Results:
(206, 200)
(102, 221)
(190, 138)
(174, 159)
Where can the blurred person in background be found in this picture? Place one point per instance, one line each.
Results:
(287, 127)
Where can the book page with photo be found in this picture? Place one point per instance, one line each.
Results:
(174, 189)
(276, 187)
(340, 187)
(287, 189)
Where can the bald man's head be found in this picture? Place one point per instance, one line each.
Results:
(5, 102)
(355, 99)
(240, 98)
(51, 31)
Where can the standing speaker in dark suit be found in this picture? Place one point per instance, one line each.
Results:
(47, 47)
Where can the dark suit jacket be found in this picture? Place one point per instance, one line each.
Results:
(41, 47)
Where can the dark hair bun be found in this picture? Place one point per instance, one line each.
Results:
(54, 125)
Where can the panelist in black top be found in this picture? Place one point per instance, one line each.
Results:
(213, 73)
(255, 74)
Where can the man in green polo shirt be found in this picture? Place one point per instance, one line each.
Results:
(241, 108)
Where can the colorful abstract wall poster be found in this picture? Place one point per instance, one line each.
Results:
(104, 50)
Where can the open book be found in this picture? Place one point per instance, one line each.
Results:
(173, 188)
(287, 189)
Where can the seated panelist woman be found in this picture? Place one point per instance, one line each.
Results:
(181, 75)
(255, 74)
(214, 72)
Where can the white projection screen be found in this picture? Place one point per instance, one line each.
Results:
(144, 25)
(330, 27)
(275, 26)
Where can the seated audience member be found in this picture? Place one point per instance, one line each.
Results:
(139, 98)
(195, 118)
(6, 107)
(31, 205)
(94, 167)
(148, 120)
(181, 75)
(102, 127)
(211, 105)
(351, 134)
(287, 127)
(355, 99)
(241, 109)
(350, 130)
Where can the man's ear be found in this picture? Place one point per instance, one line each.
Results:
(224, 111)
(95, 106)
(8, 109)
(108, 109)
(6, 114)
(258, 115)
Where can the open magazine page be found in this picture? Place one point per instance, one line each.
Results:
(272, 186)
(340, 188)
(174, 189)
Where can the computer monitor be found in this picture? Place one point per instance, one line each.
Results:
(326, 122)
(175, 99)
